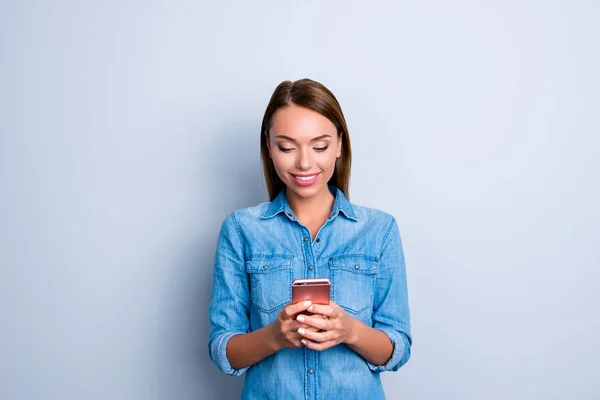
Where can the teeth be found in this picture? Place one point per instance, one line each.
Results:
(306, 178)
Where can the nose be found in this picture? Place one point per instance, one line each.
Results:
(304, 161)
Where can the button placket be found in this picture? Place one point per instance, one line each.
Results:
(309, 253)
(309, 248)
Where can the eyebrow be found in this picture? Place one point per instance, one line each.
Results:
(293, 140)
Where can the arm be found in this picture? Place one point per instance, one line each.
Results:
(371, 344)
(230, 300)
(248, 349)
(391, 314)
(375, 346)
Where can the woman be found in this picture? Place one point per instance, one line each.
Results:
(309, 229)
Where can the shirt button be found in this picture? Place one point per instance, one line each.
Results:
(318, 240)
(305, 239)
(265, 267)
(310, 267)
(357, 266)
(310, 371)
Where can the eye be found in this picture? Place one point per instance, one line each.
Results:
(320, 149)
(284, 149)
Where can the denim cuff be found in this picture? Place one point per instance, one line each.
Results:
(393, 364)
(218, 353)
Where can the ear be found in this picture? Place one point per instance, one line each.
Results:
(339, 144)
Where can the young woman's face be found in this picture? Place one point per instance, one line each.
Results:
(303, 145)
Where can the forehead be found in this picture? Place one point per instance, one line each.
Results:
(300, 123)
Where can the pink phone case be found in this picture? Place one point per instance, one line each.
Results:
(317, 290)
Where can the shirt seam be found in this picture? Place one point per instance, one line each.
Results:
(387, 235)
(239, 233)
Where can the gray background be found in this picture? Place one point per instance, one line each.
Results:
(129, 130)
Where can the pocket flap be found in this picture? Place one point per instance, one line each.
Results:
(265, 264)
(355, 263)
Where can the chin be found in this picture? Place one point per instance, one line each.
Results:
(307, 192)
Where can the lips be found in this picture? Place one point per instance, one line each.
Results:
(305, 180)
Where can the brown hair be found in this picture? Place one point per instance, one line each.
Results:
(314, 96)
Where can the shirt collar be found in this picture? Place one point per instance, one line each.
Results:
(340, 204)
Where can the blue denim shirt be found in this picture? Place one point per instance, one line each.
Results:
(262, 249)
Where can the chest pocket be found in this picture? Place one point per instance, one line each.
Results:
(353, 281)
(270, 281)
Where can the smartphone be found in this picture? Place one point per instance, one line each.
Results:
(317, 290)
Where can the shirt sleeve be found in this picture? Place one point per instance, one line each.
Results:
(391, 313)
(230, 299)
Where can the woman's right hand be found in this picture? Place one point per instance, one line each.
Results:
(286, 327)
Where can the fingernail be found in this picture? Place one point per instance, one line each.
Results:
(303, 342)
(300, 318)
(301, 331)
(310, 308)
(307, 303)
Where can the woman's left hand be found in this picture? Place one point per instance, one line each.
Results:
(332, 318)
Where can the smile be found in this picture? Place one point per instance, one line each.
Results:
(305, 180)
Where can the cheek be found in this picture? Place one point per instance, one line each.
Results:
(281, 163)
(327, 161)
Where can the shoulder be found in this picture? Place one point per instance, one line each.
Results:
(253, 213)
(246, 216)
(382, 227)
(383, 224)
(373, 215)
(235, 224)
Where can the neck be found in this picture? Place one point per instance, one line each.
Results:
(313, 207)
